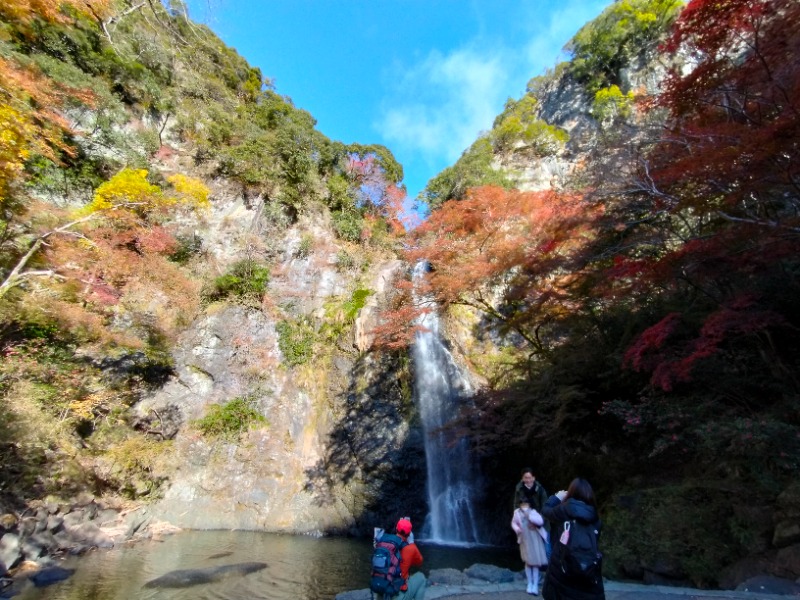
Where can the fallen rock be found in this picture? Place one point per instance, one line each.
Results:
(91, 534)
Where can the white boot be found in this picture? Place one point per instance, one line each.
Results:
(535, 585)
(529, 577)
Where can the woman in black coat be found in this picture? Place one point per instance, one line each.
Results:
(577, 503)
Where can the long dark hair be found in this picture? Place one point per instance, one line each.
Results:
(580, 489)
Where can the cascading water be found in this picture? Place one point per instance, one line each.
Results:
(441, 388)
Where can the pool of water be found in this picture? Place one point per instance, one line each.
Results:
(298, 567)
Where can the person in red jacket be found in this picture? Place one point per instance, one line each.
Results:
(410, 556)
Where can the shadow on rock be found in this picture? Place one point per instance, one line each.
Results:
(376, 449)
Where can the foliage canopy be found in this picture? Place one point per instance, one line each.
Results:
(646, 323)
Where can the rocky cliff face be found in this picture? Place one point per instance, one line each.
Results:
(336, 433)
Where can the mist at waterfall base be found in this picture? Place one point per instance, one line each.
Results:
(298, 567)
(453, 483)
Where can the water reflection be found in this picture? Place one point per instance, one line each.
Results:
(299, 568)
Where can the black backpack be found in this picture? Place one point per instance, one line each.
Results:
(581, 560)
(386, 578)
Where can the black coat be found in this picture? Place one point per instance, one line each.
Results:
(557, 585)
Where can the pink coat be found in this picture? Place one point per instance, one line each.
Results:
(535, 520)
(531, 536)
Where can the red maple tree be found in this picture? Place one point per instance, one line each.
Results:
(726, 178)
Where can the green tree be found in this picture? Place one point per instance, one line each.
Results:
(474, 168)
(602, 47)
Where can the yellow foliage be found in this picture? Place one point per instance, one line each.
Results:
(190, 191)
(28, 89)
(84, 407)
(129, 188)
(610, 104)
(16, 132)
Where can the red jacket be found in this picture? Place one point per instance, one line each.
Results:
(410, 557)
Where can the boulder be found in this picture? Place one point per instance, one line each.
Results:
(787, 562)
(787, 517)
(54, 523)
(90, 534)
(27, 526)
(364, 594)
(32, 549)
(447, 577)
(74, 518)
(106, 516)
(136, 520)
(10, 550)
(490, 573)
(787, 532)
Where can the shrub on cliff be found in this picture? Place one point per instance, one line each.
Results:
(228, 421)
(626, 28)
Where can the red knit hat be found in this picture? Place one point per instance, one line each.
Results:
(403, 526)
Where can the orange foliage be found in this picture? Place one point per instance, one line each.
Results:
(393, 209)
(398, 322)
(37, 100)
(86, 325)
(517, 241)
(497, 247)
(107, 266)
(24, 11)
(30, 97)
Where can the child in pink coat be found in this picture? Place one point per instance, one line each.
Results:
(531, 536)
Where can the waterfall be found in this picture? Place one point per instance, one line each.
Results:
(441, 388)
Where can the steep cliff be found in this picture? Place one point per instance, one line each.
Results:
(190, 275)
(336, 419)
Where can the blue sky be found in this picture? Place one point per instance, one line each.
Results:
(422, 77)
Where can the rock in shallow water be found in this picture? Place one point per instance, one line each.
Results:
(189, 577)
(50, 575)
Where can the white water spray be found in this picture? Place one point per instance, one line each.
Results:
(441, 388)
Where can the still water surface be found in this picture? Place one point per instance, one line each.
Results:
(299, 567)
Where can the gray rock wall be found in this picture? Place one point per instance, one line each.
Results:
(335, 436)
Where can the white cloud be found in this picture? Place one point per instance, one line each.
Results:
(548, 36)
(435, 108)
(440, 105)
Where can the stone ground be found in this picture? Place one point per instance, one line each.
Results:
(614, 591)
(763, 589)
